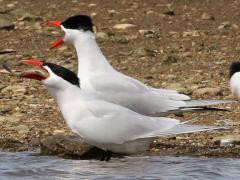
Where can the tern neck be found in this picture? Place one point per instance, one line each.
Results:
(90, 57)
(71, 101)
(63, 92)
(66, 98)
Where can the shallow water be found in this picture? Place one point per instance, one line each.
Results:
(28, 165)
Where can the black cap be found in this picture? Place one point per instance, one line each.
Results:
(235, 67)
(63, 72)
(80, 22)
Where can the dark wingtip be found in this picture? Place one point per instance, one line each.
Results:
(235, 67)
(215, 109)
(179, 112)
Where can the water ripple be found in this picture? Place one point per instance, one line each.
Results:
(28, 166)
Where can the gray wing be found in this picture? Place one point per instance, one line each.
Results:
(133, 94)
(110, 123)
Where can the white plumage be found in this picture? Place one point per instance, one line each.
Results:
(110, 126)
(235, 84)
(100, 78)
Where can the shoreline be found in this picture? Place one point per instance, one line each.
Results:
(73, 147)
(188, 50)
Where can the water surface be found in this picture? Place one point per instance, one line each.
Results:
(28, 165)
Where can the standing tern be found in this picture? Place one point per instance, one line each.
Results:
(108, 126)
(99, 77)
(235, 79)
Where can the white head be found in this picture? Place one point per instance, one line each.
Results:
(235, 79)
(75, 27)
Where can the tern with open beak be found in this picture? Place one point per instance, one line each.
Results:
(100, 78)
(108, 126)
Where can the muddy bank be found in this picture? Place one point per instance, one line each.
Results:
(73, 147)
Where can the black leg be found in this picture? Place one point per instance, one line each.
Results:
(103, 156)
(108, 155)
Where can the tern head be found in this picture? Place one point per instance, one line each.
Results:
(73, 27)
(50, 74)
(235, 79)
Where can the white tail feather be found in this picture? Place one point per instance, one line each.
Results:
(183, 129)
(198, 103)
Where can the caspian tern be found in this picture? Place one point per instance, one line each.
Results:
(235, 79)
(99, 77)
(108, 126)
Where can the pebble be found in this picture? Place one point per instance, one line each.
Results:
(192, 88)
(6, 24)
(168, 59)
(30, 17)
(169, 13)
(59, 131)
(150, 12)
(93, 14)
(4, 71)
(2, 120)
(11, 120)
(92, 5)
(206, 16)
(143, 31)
(176, 86)
(207, 90)
(228, 140)
(67, 54)
(5, 108)
(186, 54)
(54, 33)
(148, 33)
(10, 5)
(31, 100)
(224, 25)
(142, 51)
(174, 46)
(124, 26)
(235, 26)
(62, 48)
(120, 39)
(34, 142)
(37, 26)
(7, 57)
(191, 33)
(171, 77)
(2, 86)
(18, 90)
(112, 11)
(123, 20)
(102, 36)
(6, 51)
(226, 122)
(22, 129)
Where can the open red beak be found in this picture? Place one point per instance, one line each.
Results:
(60, 41)
(39, 74)
(33, 62)
(57, 43)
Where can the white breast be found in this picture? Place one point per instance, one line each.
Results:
(235, 84)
